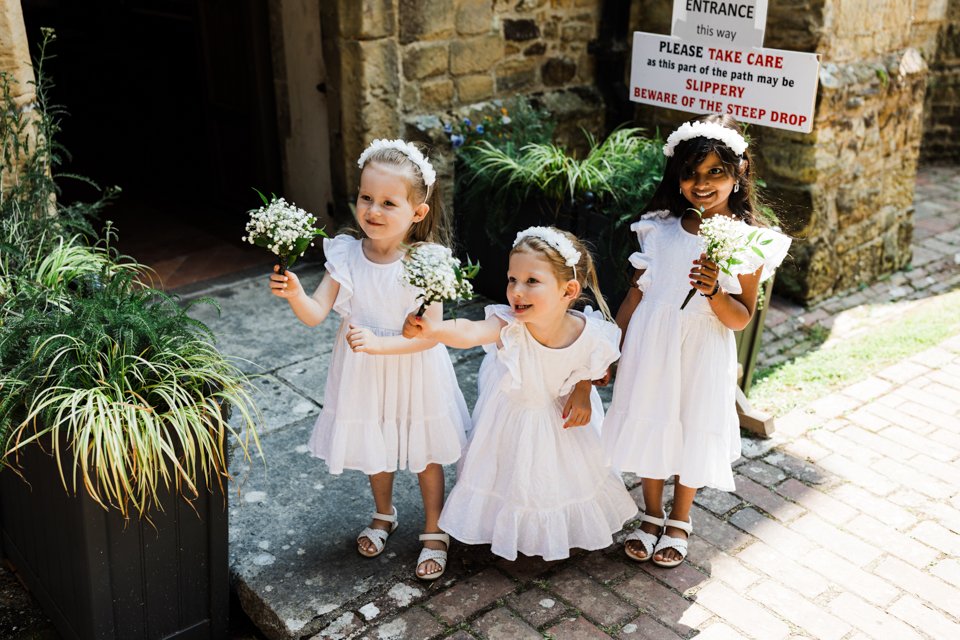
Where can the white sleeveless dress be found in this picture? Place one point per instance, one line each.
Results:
(673, 410)
(383, 412)
(526, 484)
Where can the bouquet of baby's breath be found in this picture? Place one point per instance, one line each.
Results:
(283, 228)
(725, 241)
(440, 277)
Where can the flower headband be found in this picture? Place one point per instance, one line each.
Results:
(407, 149)
(690, 130)
(556, 240)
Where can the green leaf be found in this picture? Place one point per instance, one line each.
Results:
(757, 251)
(262, 197)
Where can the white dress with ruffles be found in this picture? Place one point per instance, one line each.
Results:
(383, 412)
(526, 484)
(673, 410)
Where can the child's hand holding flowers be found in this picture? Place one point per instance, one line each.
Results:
(440, 277)
(727, 243)
(285, 285)
(417, 327)
(283, 228)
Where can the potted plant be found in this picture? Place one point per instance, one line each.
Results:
(504, 186)
(114, 424)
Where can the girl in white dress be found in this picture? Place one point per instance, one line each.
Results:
(385, 412)
(529, 482)
(673, 411)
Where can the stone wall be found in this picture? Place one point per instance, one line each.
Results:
(395, 63)
(846, 189)
(941, 129)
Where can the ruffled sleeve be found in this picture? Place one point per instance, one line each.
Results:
(646, 228)
(337, 251)
(601, 348)
(511, 343)
(511, 339)
(774, 246)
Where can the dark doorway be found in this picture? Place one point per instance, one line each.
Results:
(172, 100)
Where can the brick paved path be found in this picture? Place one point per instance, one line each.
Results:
(845, 525)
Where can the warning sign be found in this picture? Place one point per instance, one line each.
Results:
(769, 87)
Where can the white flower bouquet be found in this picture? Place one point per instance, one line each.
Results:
(283, 228)
(726, 242)
(440, 277)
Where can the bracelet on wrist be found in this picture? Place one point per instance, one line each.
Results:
(716, 290)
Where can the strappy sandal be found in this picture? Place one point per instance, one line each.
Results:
(648, 540)
(437, 555)
(669, 542)
(377, 536)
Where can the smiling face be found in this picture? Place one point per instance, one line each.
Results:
(708, 185)
(384, 210)
(533, 290)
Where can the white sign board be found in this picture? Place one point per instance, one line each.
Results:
(729, 23)
(769, 87)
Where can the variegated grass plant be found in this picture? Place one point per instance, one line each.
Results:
(128, 392)
(548, 169)
(114, 377)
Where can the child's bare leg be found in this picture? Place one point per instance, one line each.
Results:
(682, 502)
(653, 505)
(382, 486)
(431, 489)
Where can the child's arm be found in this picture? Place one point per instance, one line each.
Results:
(734, 310)
(629, 305)
(624, 313)
(363, 340)
(457, 333)
(577, 410)
(311, 310)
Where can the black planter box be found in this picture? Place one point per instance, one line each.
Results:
(98, 576)
(610, 247)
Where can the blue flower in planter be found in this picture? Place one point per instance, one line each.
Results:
(457, 140)
(448, 128)
(480, 129)
(467, 122)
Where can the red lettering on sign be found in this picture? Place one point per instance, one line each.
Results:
(765, 60)
(655, 96)
(743, 111)
(726, 55)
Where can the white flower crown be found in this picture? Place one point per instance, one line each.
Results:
(556, 240)
(407, 149)
(712, 130)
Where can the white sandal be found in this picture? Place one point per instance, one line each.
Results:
(678, 544)
(377, 536)
(437, 555)
(648, 540)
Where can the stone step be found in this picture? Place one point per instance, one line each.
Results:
(293, 525)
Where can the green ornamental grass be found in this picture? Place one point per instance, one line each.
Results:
(112, 376)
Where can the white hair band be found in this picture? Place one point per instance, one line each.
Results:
(712, 130)
(556, 240)
(407, 149)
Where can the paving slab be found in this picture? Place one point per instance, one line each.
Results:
(293, 556)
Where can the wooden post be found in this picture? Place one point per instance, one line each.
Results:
(748, 346)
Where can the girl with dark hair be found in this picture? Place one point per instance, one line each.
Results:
(673, 411)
